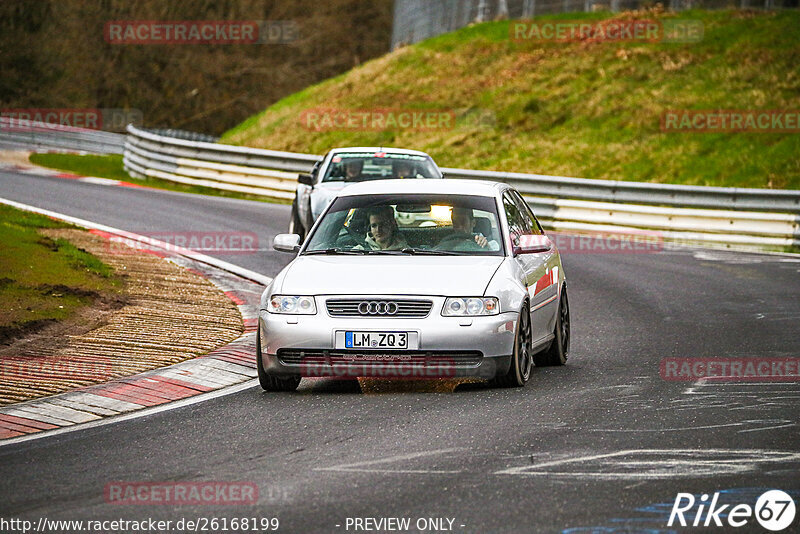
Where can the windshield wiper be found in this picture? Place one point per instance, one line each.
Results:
(336, 250)
(424, 251)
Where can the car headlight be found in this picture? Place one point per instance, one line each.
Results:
(470, 306)
(292, 304)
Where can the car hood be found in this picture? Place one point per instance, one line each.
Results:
(389, 275)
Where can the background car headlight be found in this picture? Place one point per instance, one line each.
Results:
(292, 304)
(470, 306)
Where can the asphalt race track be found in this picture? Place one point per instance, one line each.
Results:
(603, 444)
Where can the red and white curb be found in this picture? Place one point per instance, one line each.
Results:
(51, 173)
(212, 375)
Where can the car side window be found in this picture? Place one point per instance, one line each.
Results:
(527, 213)
(517, 225)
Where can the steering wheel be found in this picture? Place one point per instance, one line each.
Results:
(359, 239)
(459, 241)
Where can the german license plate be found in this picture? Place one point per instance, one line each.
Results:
(375, 340)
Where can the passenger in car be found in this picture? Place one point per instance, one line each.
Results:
(383, 231)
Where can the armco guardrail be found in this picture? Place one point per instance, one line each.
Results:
(43, 136)
(231, 168)
(642, 192)
(759, 217)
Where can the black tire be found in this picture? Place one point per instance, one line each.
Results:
(558, 351)
(521, 361)
(270, 382)
(295, 224)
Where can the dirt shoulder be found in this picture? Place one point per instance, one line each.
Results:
(163, 315)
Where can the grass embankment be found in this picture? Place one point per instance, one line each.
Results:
(41, 279)
(586, 109)
(110, 166)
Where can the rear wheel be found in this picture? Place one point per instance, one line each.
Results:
(558, 351)
(295, 224)
(521, 361)
(270, 382)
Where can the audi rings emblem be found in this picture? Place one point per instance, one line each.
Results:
(377, 307)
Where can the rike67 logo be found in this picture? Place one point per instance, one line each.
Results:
(774, 510)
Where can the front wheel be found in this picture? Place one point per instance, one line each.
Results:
(270, 382)
(521, 361)
(558, 351)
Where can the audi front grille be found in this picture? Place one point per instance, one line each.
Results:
(378, 308)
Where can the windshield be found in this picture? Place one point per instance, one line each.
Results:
(409, 224)
(363, 166)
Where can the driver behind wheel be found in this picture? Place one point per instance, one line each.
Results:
(463, 238)
(403, 169)
(352, 170)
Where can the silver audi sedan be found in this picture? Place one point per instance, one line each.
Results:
(417, 280)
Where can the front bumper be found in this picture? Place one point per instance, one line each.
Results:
(447, 347)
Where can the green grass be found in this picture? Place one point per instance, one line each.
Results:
(572, 109)
(43, 279)
(110, 166)
(86, 165)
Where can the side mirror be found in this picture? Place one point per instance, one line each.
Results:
(532, 244)
(286, 243)
(305, 179)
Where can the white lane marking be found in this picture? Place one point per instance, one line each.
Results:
(734, 256)
(515, 470)
(133, 415)
(360, 467)
(778, 423)
(658, 463)
(202, 258)
(99, 181)
(681, 429)
(396, 471)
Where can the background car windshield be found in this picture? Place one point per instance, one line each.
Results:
(447, 224)
(363, 166)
